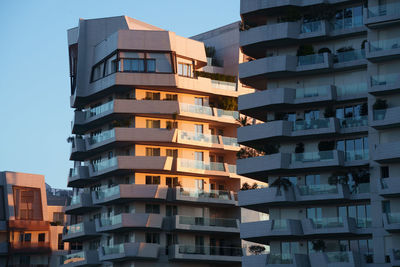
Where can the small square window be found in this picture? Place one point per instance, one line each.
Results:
(42, 237)
(28, 237)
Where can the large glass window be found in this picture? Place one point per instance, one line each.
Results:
(27, 203)
(185, 70)
(355, 149)
(348, 18)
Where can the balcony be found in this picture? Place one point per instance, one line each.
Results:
(203, 224)
(255, 40)
(317, 160)
(256, 104)
(349, 59)
(205, 254)
(27, 225)
(129, 251)
(261, 167)
(206, 140)
(384, 84)
(80, 231)
(264, 198)
(386, 118)
(78, 148)
(337, 258)
(129, 192)
(29, 248)
(381, 50)
(277, 260)
(265, 231)
(211, 197)
(129, 221)
(201, 113)
(80, 204)
(387, 152)
(391, 222)
(78, 176)
(82, 258)
(382, 15)
(205, 168)
(319, 193)
(389, 187)
(353, 125)
(286, 130)
(335, 226)
(125, 164)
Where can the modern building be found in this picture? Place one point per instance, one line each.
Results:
(154, 146)
(30, 226)
(327, 80)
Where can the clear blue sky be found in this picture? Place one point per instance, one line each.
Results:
(34, 84)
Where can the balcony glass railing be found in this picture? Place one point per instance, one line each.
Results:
(393, 217)
(363, 222)
(362, 188)
(113, 220)
(196, 109)
(310, 124)
(313, 156)
(99, 110)
(337, 256)
(312, 26)
(104, 193)
(310, 59)
(73, 257)
(280, 224)
(198, 137)
(104, 164)
(229, 141)
(317, 189)
(115, 249)
(75, 228)
(75, 200)
(353, 122)
(384, 79)
(215, 251)
(351, 89)
(73, 172)
(356, 155)
(347, 23)
(201, 221)
(312, 92)
(379, 114)
(223, 85)
(232, 168)
(384, 10)
(98, 138)
(387, 44)
(201, 165)
(280, 259)
(197, 193)
(350, 55)
(333, 222)
(227, 113)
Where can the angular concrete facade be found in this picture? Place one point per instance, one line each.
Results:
(154, 146)
(327, 105)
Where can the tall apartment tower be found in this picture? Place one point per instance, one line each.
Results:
(154, 147)
(328, 100)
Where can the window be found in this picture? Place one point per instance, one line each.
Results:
(27, 237)
(198, 101)
(152, 179)
(171, 124)
(152, 208)
(171, 97)
(361, 213)
(199, 156)
(348, 18)
(311, 115)
(171, 181)
(153, 124)
(133, 65)
(27, 203)
(384, 171)
(355, 149)
(313, 179)
(98, 72)
(348, 112)
(42, 237)
(24, 260)
(314, 213)
(172, 153)
(151, 65)
(153, 238)
(172, 239)
(199, 128)
(111, 65)
(152, 152)
(185, 69)
(60, 242)
(58, 218)
(152, 96)
(171, 210)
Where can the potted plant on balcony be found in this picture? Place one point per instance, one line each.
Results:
(379, 108)
(268, 149)
(282, 182)
(339, 56)
(329, 113)
(245, 187)
(338, 178)
(319, 245)
(256, 249)
(305, 50)
(243, 121)
(324, 50)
